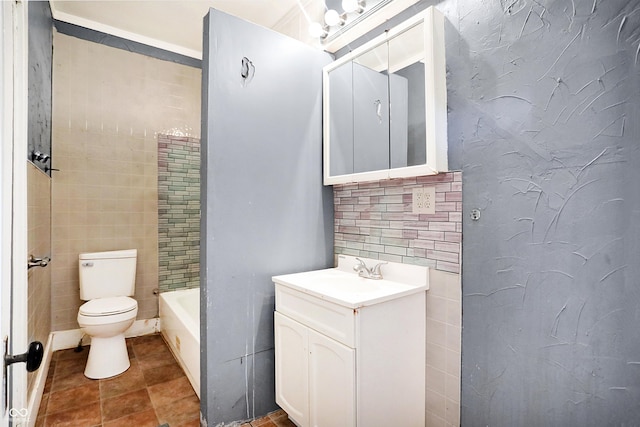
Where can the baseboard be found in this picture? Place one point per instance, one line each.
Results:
(41, 380)
(70, 338)
(143, 327)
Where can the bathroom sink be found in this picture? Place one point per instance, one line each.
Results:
(346, 288)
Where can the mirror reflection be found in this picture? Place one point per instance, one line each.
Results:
(407, 78)
(377, 107)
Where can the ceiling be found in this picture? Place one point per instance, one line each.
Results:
(167, 24)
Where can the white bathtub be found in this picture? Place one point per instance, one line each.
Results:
(180, 326)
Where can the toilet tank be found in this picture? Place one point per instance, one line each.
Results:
(107, 274)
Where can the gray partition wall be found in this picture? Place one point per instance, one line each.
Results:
(264, 209)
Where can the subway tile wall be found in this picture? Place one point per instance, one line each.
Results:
(178, 212)
(108, 107)
(39, 242)
(444, 349)
(375, 220)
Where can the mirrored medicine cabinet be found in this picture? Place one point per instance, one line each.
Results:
(385, 105)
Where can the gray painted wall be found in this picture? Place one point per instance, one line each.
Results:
(39, 77)
(264, 209)
(543, 120)
(546, 106)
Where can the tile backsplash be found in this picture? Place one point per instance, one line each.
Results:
(376, 220)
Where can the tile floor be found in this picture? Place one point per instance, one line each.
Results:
(153, 392)
(274, 419)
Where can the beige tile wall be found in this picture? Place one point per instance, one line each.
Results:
(39, 242)
(444, 321)
(108, 106)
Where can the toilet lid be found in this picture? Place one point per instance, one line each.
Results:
(107, 306)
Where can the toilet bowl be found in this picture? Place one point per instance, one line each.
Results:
(107, 282)
(105, 320)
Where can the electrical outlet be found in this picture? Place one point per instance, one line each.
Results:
(424, 200)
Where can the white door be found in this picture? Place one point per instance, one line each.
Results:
(332, 376)
(292, 373)
(13, 207)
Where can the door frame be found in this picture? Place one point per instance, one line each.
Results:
(13, 199)
(6, 159)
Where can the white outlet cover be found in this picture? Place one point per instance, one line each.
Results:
(424, 200)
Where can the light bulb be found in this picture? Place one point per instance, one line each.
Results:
(332, 18)
(316, 30)
(350, 5)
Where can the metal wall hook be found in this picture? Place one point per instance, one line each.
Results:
(37, 262)
(247, 71)
(378, 106)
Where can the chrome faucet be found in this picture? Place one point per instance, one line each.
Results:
(363, 270)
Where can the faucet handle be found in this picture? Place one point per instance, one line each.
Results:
(362, 269)
(361, 265)
(375, 272)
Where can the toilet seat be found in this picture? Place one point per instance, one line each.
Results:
(108, 306)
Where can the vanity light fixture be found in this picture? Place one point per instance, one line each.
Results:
(350, 6)
(333, 18)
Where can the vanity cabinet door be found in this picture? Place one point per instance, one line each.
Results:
(332, 373)
(292, 368)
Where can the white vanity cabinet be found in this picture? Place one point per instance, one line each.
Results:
(315, 380)
(345, 363)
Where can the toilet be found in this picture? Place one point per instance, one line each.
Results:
(107, 282)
